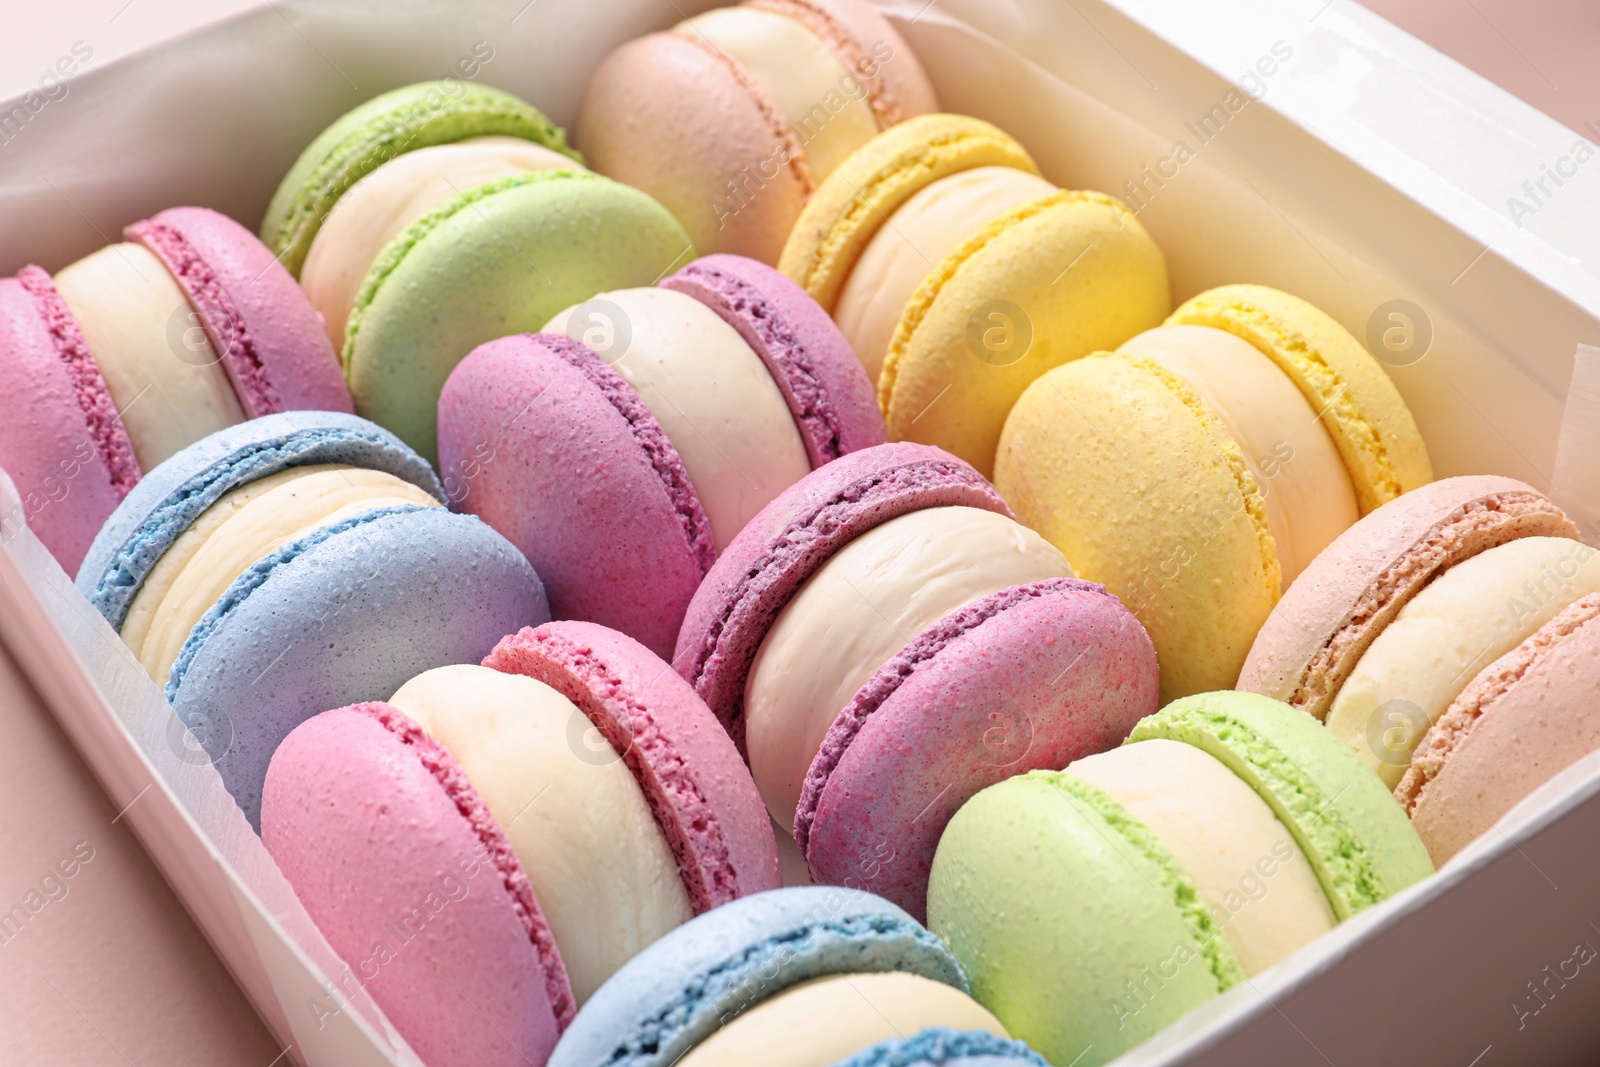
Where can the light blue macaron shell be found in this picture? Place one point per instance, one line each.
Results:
(681, 989)
(170, 497)
(348, 613)
(943, 1047)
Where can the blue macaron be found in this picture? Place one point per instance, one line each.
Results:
(344, 613)
(681, 989)
(943, 1047)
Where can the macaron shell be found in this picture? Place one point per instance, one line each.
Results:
(62, 443)
(1355, 587)
(669, 114)
(553, 449)
(501, 258)
(785, 544)
(1362, 410)
(1522, 720)
(699, 789)
(1344, 819)
(833, 403)
(1142, 489)
(369, 838)
(271, 341)
(160, 508)
(849, 208)
(672, 995)
(943, 1047)
(346, 614)
(897, 86)
(369, 135)
(1031, 677)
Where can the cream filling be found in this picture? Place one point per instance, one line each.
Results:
(825, 105)
(1459, 623)
(825, 1020)
(243, 526)
(1309, 497)
(1245, 863)
(710, 392)
(375, 210)
(159, 366)
(915, 239)
(601, 869)
(865, 604)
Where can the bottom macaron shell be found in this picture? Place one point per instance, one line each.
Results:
(346, 614)
(1031, 677)
(698, 788)
(408, 895)
(942, 1047)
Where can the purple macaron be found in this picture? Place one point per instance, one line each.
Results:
(620, 459)
(884, 640)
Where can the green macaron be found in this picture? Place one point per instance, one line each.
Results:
(1092, 906)
(363, 139)
(498, 259)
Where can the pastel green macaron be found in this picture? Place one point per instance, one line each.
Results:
(498, 259)
(363, 139)
(1090, 907)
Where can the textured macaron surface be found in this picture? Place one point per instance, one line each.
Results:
(361, 140)
(944, 1047)
(501, 258)
(402, 868)
(1353, 833)
(162, 505)
(678, 991)
(345, 614)
(697, 786)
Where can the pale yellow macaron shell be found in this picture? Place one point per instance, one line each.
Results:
(1124, 468)
(1361, 408)
(848, 208)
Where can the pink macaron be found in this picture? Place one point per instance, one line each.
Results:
(486, 848)
(884, 640)
(623, 457)
(199, 316)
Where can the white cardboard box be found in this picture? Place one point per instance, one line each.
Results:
(1364, 169)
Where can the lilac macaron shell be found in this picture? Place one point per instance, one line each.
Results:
(789, 539)
(703, 797)
(1034, 676)
(833, 403)
(62, 442)
(545, 442)
(399, 864)
(270, 339)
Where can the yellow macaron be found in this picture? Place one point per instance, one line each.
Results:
(960, 275)
(1200, 467)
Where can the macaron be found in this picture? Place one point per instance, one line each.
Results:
(884, 640)
(1200, 468)
(605, 785)
(626, 446)
(941, 1046)
(1446, 639)
(292, 563)
(1094, 905)
(499, 258)
(367, 137)
(959, 275)
(797, 977)
(733, 117)
(142, 348)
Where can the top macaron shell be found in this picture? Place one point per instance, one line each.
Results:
(678, 991)
(270, 340)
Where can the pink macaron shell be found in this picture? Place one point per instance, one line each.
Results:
(702, 794)
(788, 540)
(1031, 677)
(833, 403)
(401, 867)
(1355, 586)
(551, 447)
(270, 339)
(62, 440)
